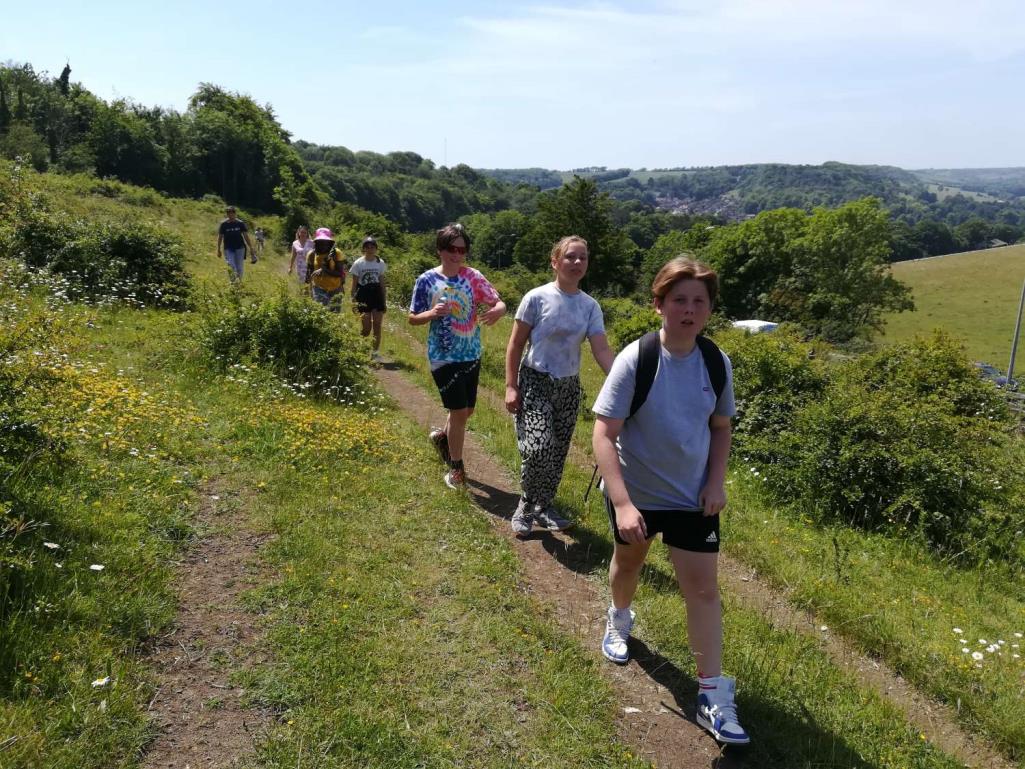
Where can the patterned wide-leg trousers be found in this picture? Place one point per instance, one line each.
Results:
(544, 428)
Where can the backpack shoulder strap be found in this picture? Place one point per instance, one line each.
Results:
(648, 353)
(714, 363)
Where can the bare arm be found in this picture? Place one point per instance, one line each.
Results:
(513, 353)
(603, 355)
(440, 310)
(603, 441)
(491, 317)
(713, 495)
(220, 242)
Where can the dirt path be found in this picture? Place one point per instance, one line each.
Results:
(202, 721)
(663, 730)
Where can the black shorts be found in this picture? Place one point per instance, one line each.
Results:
(457, 383)
(689, 530)
(370, 298)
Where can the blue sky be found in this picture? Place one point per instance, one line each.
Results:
(656, 83)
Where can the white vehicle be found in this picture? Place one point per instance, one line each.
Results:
(755, 326)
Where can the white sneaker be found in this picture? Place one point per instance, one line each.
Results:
(617, 633)
(717, 712)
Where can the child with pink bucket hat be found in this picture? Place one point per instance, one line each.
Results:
(327, 268)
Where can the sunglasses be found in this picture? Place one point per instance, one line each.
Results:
(456, 249)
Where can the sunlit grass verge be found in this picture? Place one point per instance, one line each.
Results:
(92, 519)
(400, 636)
(800, 709)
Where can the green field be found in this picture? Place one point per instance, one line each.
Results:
(973, 296)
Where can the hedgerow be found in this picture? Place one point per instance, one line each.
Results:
(908, 440)
(137, 263)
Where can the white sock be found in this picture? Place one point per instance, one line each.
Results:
(707, 684)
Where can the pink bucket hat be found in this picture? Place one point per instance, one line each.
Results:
(323, 233)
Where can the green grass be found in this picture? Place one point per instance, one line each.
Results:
(972, 296)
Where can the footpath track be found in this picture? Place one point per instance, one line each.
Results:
(659, 724)
(664, 730)
(202, 720)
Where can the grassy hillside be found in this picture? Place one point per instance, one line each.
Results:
(973, 296)
(397, 630)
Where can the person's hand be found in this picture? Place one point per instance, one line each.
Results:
(316, 273)
(491, 317)
(630, 523)
(512, 399)
(220, 254)
(440, 310)
(712, 499)
(289, 270)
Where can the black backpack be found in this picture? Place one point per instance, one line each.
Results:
(649, 352)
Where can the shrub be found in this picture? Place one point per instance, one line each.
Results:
(774, 377)
(909, 441)
(300, 341)
(139, 262)
(626, 320)
(514, 282)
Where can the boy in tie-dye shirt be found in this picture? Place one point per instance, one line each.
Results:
(447, 297)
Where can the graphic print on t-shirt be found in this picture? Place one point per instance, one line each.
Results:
(456, 336)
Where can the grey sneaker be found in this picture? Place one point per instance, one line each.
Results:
(549, 519)
(523, 518)
(440, 440)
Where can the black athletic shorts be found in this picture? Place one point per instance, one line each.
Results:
(370, 298)
(689, 530)
(457, 383)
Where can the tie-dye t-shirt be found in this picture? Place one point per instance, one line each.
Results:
(455, 337)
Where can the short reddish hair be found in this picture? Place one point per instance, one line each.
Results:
(684, 268)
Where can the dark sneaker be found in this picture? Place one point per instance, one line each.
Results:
(455, 479)
(617, 634)
(523, 518)
(717, 712)
(440, 440)
(549, 519)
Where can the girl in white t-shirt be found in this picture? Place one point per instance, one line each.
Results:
(301, 247)
(543, 390)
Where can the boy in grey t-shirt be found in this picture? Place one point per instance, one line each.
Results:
(664, 471)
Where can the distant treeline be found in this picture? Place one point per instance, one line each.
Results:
(226, 144)
(924, 224)
(408, 188)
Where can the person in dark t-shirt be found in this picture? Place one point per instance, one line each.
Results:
(232, 240)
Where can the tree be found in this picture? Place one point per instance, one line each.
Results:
(5, 110)
(827, 272)
(21, 141)
(63, 81)
(936, 237)
(580, 209)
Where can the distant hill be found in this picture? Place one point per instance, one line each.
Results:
(1005, 183)
(949, 209)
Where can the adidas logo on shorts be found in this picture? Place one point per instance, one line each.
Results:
(712, 538)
